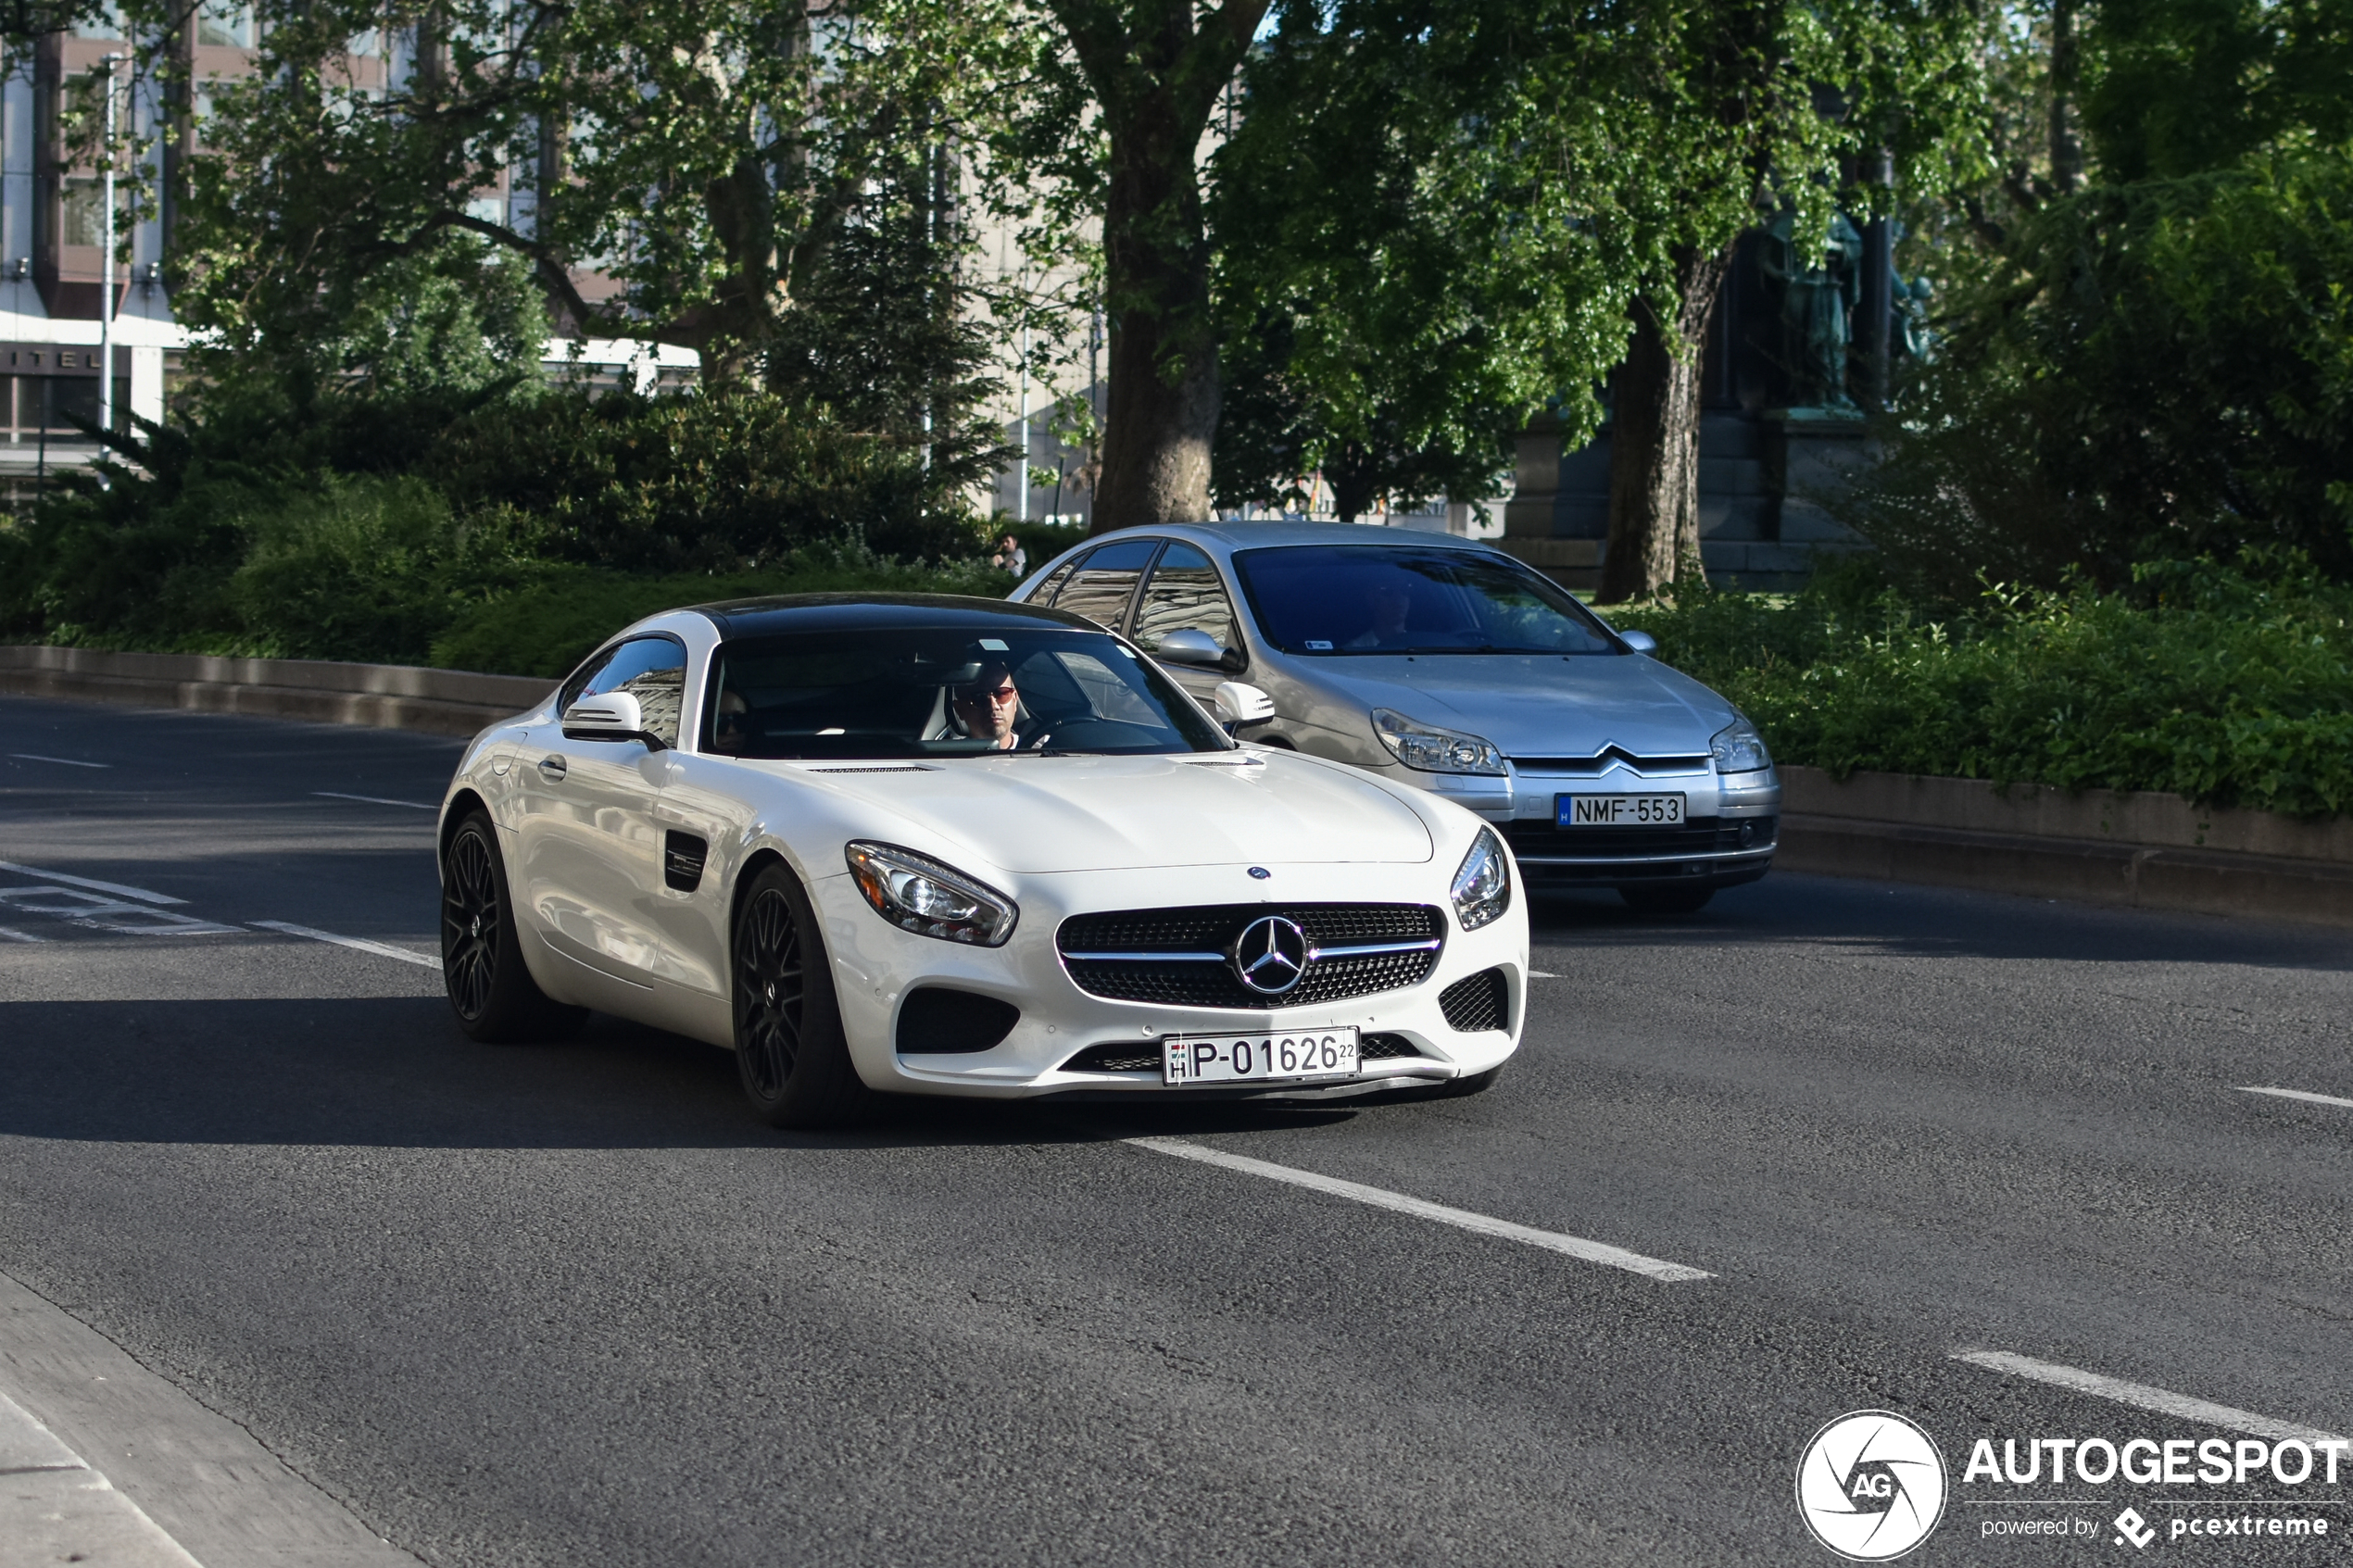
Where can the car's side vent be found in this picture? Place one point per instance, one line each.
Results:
(1477, 1004)
(682, 860)
(1386, 1048)
(935, 1021)
(1120, 1055)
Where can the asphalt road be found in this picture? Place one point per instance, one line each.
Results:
(569, 1305)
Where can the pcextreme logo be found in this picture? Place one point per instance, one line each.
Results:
(1870, 1485)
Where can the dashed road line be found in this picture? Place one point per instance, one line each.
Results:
(118, 889)
(61, 762)
(2141, 1397)
(361, 944)
(372, 799)
(1542, 975)
(2305, 1095)
(1461, 1219)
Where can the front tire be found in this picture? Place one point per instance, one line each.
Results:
(790, 1050)
(490, 990)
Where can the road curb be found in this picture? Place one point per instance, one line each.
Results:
(388, 697)
(2141, 851)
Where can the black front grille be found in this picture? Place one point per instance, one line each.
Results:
(1479, 1003)
(1699, 835)
(1139, 975)
(1121, 1056)
(937, 1020)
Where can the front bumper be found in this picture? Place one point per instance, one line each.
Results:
(876, 965)
(1734, 820)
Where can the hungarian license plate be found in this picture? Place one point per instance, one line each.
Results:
(1617, 810)
(1236, 1058)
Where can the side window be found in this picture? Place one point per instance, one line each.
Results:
(1053, 584)
(1105, 581)
(1184, 593)
(653, 670)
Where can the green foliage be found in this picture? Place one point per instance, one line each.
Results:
(549, 627)
(2180, 87)
(2158, 371)
(697, 484)
(2232, 684)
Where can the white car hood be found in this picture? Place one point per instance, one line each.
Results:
(1039, 815)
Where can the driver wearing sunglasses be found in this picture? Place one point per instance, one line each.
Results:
(987, 708)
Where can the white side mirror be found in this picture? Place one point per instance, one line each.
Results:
(1238, 703)
(607, 716)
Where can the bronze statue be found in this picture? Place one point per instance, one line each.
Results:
(1818, 292)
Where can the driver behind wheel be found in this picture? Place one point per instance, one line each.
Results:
(988, 707)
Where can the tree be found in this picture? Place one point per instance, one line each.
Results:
(1409, 260)
(1124, 104)
(1733, 107)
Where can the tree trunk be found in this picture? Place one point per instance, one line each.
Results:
(1654, 443)
(2067, 148)
(1161, 412)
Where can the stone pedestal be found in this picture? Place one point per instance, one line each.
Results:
(1817, 452)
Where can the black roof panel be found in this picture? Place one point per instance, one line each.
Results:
(843, 612)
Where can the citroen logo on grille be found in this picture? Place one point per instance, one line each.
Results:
(1270, 957)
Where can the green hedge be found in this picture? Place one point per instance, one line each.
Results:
(2232, 684)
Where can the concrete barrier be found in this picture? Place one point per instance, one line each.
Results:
(391, 697)
(2144, 849)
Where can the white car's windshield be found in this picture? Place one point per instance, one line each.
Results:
(912, 691)
(1396, 599)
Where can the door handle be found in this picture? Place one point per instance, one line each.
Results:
(552, 768)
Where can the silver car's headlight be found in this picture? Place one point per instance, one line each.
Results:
(1738, 748)
(1483, 889)
(916, 893)
(1428, 749)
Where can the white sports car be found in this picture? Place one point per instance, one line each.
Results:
(960, 847)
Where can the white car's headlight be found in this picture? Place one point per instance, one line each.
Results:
(1483, 889)
(1428, 749)
(916, 893)
(1738, 748)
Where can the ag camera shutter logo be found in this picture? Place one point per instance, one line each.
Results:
(1871, 1485)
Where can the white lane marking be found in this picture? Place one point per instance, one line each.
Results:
(1381, 1198)
(2299, 1094)
(61, 762)
(362, 942)
(114, 888)
(11, 934)
(372, 799)
(1542, 975)
(2141, 1396)
(104, 914)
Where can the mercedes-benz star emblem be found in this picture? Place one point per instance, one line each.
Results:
(1270, 957)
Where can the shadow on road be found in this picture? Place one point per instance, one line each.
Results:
(395, 1073)
(1872, 917)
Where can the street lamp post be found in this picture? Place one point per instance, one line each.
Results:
(106, 258)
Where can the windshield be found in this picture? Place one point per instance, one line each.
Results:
(1393, 599)
(912, 691)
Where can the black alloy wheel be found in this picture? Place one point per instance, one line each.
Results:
(768, 994)
(481, 965)
(790, 1050)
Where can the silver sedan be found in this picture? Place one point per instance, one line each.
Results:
(1446, 664)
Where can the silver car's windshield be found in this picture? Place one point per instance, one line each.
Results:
(916, 692)
(1394, 599)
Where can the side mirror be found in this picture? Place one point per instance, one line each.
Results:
(1641, 642)
(1238, 705)
(1189, 645)
(609, 715)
